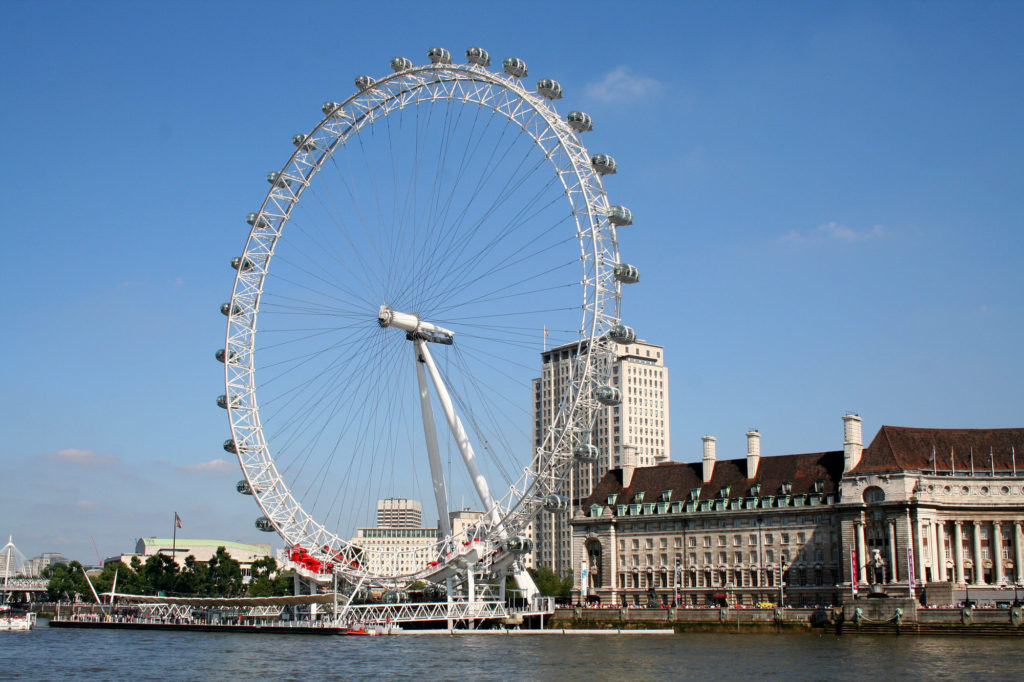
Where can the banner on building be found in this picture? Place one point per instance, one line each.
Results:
(584, 582)
(853, 570)
(910, 569)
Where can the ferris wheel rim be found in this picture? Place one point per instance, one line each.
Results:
(520, 503)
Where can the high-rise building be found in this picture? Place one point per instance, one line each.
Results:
(634, 433)
(399, 544)
(398, 512)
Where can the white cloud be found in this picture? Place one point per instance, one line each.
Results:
(87, 504)
(620, 85)
(215, 466)
(833, 232)
(80, 457)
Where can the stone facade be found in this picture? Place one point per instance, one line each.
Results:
(728, 532)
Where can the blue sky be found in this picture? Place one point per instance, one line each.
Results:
(827, 201)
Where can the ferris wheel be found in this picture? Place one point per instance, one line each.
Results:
(422, 244)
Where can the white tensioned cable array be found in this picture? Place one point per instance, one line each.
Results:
(504, 95)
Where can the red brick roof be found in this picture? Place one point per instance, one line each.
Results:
(900, 448)
(680, 477)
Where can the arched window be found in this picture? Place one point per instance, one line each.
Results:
(874, 494)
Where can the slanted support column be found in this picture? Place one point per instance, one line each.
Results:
(862, 573)
(997, 552)
(979, 570)
(958, 550)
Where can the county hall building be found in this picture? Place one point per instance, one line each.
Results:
(939, 512)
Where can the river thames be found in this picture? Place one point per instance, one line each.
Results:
(47, 653)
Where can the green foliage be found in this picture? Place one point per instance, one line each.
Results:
(225, 575)
(549, 583)
(266, 582)
(67, 582)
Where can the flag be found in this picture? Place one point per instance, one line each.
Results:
(853, 570)
(991, 462)
(177, 520)
(972, 461)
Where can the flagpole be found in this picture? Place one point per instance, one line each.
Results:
(174, 540)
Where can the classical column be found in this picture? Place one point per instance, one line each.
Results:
(979, 570)
(940, 552)
(919, 550)
(893, 554)
(861, 558)
(996, 547)
(958, 550)
(1018, 549)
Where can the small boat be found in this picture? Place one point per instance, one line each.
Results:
(13, 622)
(361, 631)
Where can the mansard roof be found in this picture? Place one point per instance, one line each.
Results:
(901, 448)
(680, 477)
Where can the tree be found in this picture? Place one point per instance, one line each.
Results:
(160, 573)
(549, 583)
(66, 581)
(225, 574)
(194, 578)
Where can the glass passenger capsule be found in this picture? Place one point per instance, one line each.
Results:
(580, 121)
(242, 264)
(228, 309)
(229, 446)
(394, 597)
(608, 395)
(264, 524)
(257, 220)
(478, 56)
(555, 503)
(603, 164)
(434, 593)
(277, 179)
(439, 55)
(626, 273)
(518, 544)
(549, 88)
(586, 451)
(514, 66)
(620, 215)
(334, 110)
(243, 487)
(364, 82)
(221, 356)
(620, 333)
(303, 142)
(399, 64)
(222, 402)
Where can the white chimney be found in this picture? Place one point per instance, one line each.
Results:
(853, 441)
(628, 466)
(709, 457)
(753, 452)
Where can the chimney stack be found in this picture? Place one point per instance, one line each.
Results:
(628, 464)
(853, 442)
(709, 457)
(753, 452)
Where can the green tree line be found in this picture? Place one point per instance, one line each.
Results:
(221, 576)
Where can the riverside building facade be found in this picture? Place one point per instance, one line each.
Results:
(633, 433)
(896, 517)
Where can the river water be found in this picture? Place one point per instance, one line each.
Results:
(51, 653)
